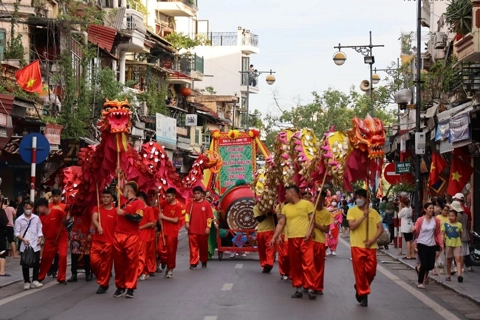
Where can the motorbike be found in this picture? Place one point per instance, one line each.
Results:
(475, 249)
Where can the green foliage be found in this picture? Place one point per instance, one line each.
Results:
(155, 95)
(108, 85)
(181, 41)
(459, 16)
(210, 90)
(406, 43)
(49, 119)
(255, 120)
(11, 87)
(403, 187)
(14, 48)
(439, 80)
(139, 6)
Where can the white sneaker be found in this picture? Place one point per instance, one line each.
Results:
(244, 255)
(169, 274)
(334, 253)
(26, 286)
(232, 255)
(142, 277)
(36, 284)
(284, 278)
(470, 269)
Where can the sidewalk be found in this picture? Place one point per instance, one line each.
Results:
(470, 288)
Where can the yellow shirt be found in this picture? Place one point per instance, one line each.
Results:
(322, 218)
(443, 219)
(358, 235)
(265, 225)
(298, 222)
(278, 209)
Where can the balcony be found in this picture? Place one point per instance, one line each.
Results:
(244, 39)
(187, 69)
(134, 27)
(178, 8)
(468, 48)
(249, 83)
(465, 82)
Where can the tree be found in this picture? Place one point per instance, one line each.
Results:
(255, 120)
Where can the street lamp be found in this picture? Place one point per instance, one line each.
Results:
(339, 59)
(403, 98)
(270, 79)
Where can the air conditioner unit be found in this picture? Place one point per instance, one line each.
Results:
(440, 40)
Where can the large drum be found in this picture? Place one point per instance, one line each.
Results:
(237, 208)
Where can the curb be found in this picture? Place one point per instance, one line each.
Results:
(443, 284)
(18, 280)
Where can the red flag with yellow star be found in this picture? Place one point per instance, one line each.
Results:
(460, 174)
(437, 166)
(30, 77)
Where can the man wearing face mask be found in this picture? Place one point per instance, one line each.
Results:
(28, 230)
(363, 245)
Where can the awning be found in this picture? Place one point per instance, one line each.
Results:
(466, 107)
(101, 36)
(14, 106)
(177, 108)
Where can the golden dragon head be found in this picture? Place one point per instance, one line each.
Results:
(116, 116)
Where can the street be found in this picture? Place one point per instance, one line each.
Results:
(236, 289)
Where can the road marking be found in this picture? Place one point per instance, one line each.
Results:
(239, 266)
(26, 293)
(227, 286)
(444, 313)
(210, 318)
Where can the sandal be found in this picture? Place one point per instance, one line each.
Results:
(448, 279)
(421, 286)
(5, 275)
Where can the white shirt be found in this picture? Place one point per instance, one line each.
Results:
(406, 220)
(427, 233)
(34, 231)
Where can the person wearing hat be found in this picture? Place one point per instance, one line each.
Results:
(323, 220)
(465, 219)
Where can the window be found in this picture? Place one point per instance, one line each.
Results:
(245, 67)
(198, 134)
(3, 38)
(206, 141)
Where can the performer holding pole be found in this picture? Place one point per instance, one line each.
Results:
(323, 220)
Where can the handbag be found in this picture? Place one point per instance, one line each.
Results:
(27, 259)
(384, 239)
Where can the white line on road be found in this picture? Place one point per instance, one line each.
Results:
(227, 286)
(26, 293)
(210, 318)
(444, 313)
(239, 266)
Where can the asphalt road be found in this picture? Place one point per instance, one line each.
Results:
(236, 289)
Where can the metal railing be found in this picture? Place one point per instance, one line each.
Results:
(231, 39)
(466, 77)
(250, 78)
(187, 64)
(190, 3)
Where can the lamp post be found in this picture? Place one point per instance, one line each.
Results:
(270, 79)
(418, 105)
(339, 59)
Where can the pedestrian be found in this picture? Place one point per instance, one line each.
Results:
(171, 217)
(282, 247)
(265, 230)
(125, 241)
(55, 234)
(198, 221)
(11, 215)
(145, 236)
(452, 231)
(101, 254)
(429, 237)
(345, 229)
(332, 235)
(80, 245)
(3, 240)
(365, 228)
(406, 226)
(323, 221)
(466, 235)
(28, 230)
(297, 218)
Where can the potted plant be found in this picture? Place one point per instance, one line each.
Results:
(459, 17)
(14, 49)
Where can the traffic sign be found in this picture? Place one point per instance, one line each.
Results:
(42, 148)
(402, 167)
(394, 178)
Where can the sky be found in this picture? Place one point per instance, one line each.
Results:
(296, 40)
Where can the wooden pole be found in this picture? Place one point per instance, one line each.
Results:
(98, 207)
(161, 221)
(368, 198)
(118, 171)
(318, 196)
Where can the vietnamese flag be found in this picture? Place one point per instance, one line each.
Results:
(437, 166)
(29, 78)
(460, 173)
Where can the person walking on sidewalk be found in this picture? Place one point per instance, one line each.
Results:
(406, 226)
(28, 230)
(452, 231)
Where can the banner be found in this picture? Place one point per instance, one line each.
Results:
(459, 128)
(191, 120)
(237, 155)
(53, 133)
(442, 130)
(166, 131)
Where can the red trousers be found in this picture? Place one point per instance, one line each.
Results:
(50, 249)
(332, 238)
(142, 258)
(364, 263)
(198, 248)
(161, 249)
(151, 263)
(283, 259)
(302, 270)
(101, 261)
(319, 263)
(265, 252)
(125, 260)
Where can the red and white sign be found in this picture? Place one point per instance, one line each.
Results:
(53, 133)
(395, 178)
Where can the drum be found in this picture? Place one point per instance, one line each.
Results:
(237, 208)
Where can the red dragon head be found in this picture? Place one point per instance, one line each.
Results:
(368, 135)
(117, 116)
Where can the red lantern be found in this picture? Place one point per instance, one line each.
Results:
(185, 91)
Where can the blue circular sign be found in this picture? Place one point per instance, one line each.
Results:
(43, 147)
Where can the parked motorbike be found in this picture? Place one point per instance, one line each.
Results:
(475, 249)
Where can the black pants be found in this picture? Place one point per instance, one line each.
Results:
(54, 266)
(36, 268)
(427, 260)
(391, 229)
(86, 263)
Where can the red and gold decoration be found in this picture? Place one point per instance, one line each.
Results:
(186, 91)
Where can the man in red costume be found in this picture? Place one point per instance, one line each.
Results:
(323, 220)
(296, 217)
(161, 249)
(101, 254)
(172, 212)
(56, 202)
(145, 236)
(198, 220)
(151, 260)
(265, 229)
(125, 241)
(56, 239)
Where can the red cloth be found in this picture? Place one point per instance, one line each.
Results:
(142, 258)
(125, 258)
(146, 235)
(171, 248)
(101, 261)
(460, 173)
(59, 205)
(265, 252)
(198, 247)
(319, 263)
(437, 166)
(161, 249)
(151, 255)
(199, 213)
(467, 211)
(364, 262)
(50, 249)
(176, 210)
(126, 226)
(29, 78)
(108, 220)
(332, 238)
(283, 260)
(302, 269)
(52, 225)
